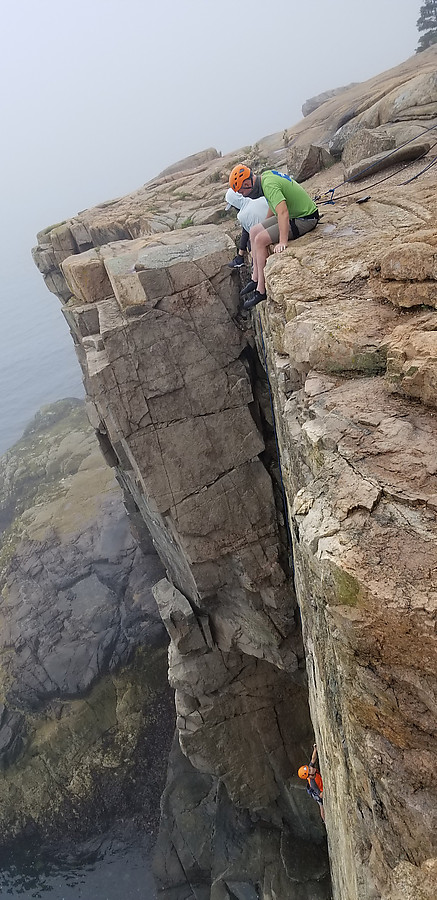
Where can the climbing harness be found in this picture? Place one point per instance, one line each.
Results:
(284, 499)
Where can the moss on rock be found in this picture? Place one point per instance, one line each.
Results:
(73, 748)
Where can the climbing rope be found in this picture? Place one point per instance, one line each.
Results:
(386, 177)
(284, 499)
(331, 191)
(432, 163)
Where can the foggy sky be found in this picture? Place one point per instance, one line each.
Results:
(98, 96)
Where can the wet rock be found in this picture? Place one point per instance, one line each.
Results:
(76, 604)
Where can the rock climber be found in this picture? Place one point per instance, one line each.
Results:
(314, 780)
(292, 213)
(250, 213)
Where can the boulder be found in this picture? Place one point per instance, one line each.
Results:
(342, 135)
(366, 143)
(304, 162)
(372, 165)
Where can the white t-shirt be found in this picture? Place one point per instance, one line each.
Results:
(251, 211)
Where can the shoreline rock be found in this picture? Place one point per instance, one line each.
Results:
(76, 607)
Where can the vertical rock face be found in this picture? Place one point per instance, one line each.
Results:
(353, 365)
(167, 376)
(172, 395)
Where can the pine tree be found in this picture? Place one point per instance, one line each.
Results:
(427, 23)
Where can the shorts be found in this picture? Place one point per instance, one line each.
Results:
(297, 227)
(316, 796)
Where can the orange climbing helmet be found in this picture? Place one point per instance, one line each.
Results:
(238, 175)
(303, 772)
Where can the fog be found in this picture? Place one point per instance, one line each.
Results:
(97, 96)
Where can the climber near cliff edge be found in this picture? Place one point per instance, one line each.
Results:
(314, 780)
(292, 213)
(251, 212)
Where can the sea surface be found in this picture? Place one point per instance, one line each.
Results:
(113, 867)
(38, 364)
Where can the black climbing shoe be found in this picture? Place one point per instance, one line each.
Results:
(237, 262)
(257, 298)
(250, 286)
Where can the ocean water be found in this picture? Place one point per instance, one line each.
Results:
(113, 868)
(38, 364)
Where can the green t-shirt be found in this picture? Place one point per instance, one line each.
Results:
(277, 188)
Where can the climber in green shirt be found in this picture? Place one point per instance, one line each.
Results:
(292, 213)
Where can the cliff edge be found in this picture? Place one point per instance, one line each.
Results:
(179, 399)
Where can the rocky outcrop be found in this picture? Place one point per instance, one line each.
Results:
(303, 162)
(191, 162)
(180, 403)
(314, 102)
(381, 161)
(224, 852)
(168, 373)
(353, 367)
(76, 606)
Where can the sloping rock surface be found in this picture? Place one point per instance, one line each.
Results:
(314, 102)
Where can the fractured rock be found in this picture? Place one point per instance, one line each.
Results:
(303, 162)
(366, 143)
(380, 161)
(167, 370)
(412, 359)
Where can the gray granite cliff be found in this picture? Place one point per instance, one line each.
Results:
(266, 651)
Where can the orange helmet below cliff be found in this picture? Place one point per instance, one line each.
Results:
(238, 175)
(303, 772)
